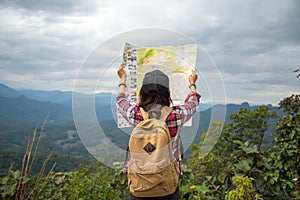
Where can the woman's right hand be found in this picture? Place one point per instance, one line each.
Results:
(193, 77)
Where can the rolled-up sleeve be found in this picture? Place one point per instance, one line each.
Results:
(190, 106)
(124, 107)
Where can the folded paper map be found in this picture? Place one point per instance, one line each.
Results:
(175, 61)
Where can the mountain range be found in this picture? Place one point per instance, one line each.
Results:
(30, 107)
(22, 110)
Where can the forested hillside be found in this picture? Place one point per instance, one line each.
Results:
(255, 157)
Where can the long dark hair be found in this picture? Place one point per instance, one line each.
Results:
(160, 96)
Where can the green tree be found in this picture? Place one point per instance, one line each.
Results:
(246, 161)
(236, 152)
(283, 164)
(245, 135)
(250, 125)
(206, 167)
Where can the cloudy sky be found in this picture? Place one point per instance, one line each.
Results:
(255, 44)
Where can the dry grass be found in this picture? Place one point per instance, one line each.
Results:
(26, 189)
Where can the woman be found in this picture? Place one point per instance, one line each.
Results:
(154, 94)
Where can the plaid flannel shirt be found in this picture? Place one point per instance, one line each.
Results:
(179, 115)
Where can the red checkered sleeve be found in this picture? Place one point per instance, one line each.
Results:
(190, 106)
(130, 112)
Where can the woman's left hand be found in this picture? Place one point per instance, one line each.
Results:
(122, 74)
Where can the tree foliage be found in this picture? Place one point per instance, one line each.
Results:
(238, 152)
(231, 164)
(244, 189)
(78, 185)
(85, 184)
(283, 164)
(250, 125)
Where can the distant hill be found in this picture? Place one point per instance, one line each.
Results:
(30, 107)
(6, 91)
(55, 96)
(21, 111)
(52, 96)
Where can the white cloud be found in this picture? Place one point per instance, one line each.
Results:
(250, 41)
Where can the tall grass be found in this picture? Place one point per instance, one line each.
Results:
(18, 184)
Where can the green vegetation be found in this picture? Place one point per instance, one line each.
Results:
(244, 189)
(82, 184)
(87, 183)
(240, 168)
(283, 170)
(242, 164)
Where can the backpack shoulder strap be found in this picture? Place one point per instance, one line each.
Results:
(165, 112)
(144, 113)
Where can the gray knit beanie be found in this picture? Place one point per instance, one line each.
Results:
(153, 79)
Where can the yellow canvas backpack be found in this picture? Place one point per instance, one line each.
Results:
(152, 168)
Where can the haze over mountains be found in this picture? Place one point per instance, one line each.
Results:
(22, 110)
(29, 107)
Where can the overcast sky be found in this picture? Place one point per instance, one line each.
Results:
(255, 44)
